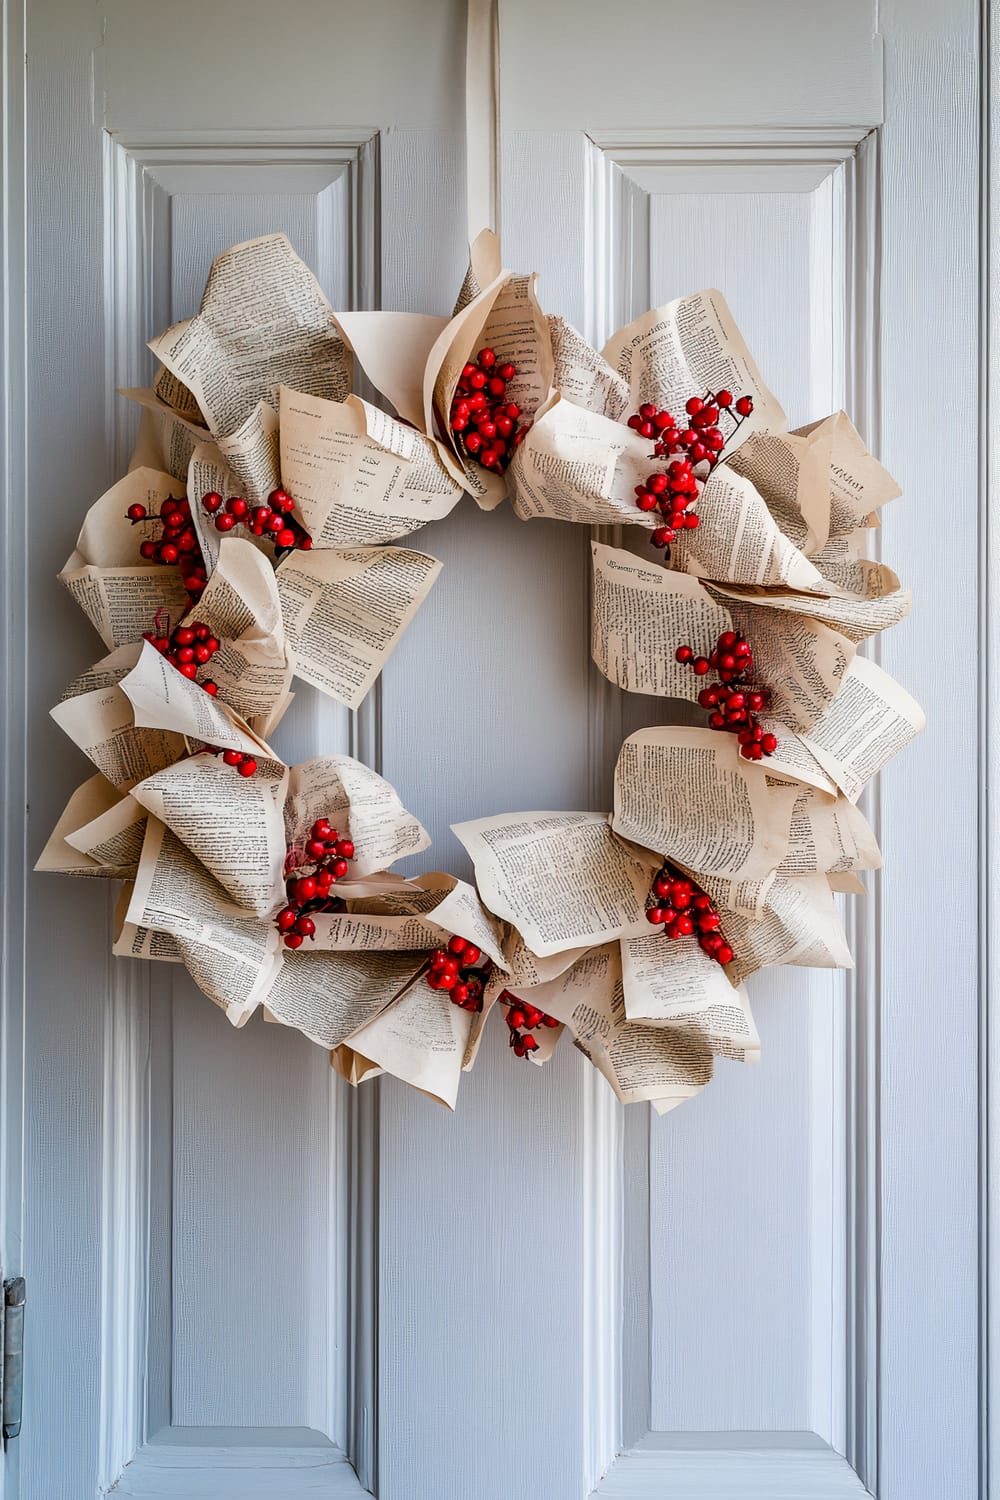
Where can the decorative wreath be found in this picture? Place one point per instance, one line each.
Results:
(254, 540)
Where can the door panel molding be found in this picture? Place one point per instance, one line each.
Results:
(142, 178)
(625, 172)
(14, 861)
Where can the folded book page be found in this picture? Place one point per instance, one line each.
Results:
(234, 825)
(562, 879)
(360, 805)
(119, 593)
(688, 347)
(690, 796)
(640, 613)
(345, 609)
(100, 832)
(577, 465)
(263, 322)
(357, 475)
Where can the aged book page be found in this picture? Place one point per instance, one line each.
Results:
(359, 477)
(346, 608)
(562, 879)
(264, 322)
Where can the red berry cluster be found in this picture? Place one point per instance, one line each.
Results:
(733, 702)
(457, 970)
(702, 442)
(522, 1020)
(324, 861)
(188, 648)
(177, 543)
(273, 520)
(680, 906)
(482, 418)
(244, 764)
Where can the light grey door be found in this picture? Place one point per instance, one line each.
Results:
(244, 1279)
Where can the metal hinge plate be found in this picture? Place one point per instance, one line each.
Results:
(12, 1368)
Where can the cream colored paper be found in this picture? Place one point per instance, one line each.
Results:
(251, 452)
(671, 982)
(99, 833)
(576, 465)
(737, 539)
(562, 879)
(393, 348)
(162, 698)
(421, 1039)
(792, 473)
(688, 794)
(639, 1060)
(233, 955)
(827, 836)
(359, 804)
(118, 593)
(358, 476)
(505, 316)
(263, 322)
(166, 440)
(102, 724)
(640, 613)
(234, 825)
(858, 484)
(346, 609)
(801, 926)
(240, 605)
(853, 617)
(869, 721)
(331, 996)
(685, 348)
(174, 394)
(584, 376)
(800, 660)
(107, 672)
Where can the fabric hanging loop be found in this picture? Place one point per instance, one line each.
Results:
(482, 117)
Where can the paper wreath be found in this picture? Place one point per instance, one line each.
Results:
(251, 542)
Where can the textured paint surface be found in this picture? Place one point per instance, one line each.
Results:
(734, 1276)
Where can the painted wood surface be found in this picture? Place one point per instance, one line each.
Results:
(497, 1303)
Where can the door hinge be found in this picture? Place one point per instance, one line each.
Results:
(12, 1369)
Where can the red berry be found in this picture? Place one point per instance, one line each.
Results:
(247, 766)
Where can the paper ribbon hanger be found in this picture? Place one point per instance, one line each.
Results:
(482, 117)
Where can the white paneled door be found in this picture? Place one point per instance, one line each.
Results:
(243, 1278)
